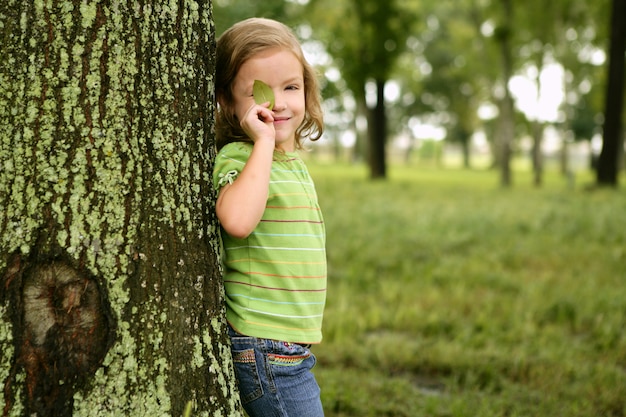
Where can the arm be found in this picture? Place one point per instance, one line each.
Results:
(240, 205)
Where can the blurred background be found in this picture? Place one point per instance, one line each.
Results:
(473, 83)
(468, 177)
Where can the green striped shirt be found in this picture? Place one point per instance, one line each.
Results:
(275, 279)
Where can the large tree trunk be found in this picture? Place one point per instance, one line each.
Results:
(111, 296)
(612, 139)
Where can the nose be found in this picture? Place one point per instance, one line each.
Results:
(279, 102)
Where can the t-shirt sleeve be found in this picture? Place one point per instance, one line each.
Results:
(229, 162)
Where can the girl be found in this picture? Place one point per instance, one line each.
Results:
(272, 227)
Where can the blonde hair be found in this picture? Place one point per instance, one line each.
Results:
(240, 43)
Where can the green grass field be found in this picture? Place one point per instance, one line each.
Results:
(450, 296)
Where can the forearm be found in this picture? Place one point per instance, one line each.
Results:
(240, 205)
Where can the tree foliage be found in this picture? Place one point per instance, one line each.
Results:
(452, 58)
(366, 38)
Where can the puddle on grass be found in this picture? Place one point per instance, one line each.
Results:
(428, 386)
(425, 383)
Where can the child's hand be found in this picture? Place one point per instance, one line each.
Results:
(258, 123)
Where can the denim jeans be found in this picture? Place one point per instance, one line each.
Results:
(275, 378)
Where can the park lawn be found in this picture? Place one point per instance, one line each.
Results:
(451, 296)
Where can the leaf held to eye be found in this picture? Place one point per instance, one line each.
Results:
(263, 93)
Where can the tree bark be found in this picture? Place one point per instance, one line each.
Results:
(111, 299)
(613, 140)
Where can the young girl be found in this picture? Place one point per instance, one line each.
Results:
(272, 227)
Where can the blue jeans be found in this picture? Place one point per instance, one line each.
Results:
(275, 378)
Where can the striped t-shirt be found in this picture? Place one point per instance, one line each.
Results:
(275, 279)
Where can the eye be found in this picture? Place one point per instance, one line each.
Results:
(292, 87)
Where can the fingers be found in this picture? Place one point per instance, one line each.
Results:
(258, 121)
(258, 112)
(265, 114)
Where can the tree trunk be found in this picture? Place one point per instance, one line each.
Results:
(111, 300)
(507, 122)
(537, 156)
(377, 132)
(361, 145)
(464, 138)
(504, 139)
(613, 141)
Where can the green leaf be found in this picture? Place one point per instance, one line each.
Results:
(187, 412)
(263, 93)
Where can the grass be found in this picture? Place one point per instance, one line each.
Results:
(450, 296)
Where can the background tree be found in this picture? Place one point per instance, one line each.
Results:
(111, 300)
(549, 35)
(229, 12)
(451, 62)
(539, 41)
(365, 38)
(504, 34)
(447, 72)
(613, 135)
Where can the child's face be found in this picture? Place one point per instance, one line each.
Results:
(282, 71)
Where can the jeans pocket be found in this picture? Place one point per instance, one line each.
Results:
(288, 354)
(290, 360)
(287, 360)
(247, 375)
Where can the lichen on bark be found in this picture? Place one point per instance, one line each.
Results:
(106, 112)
